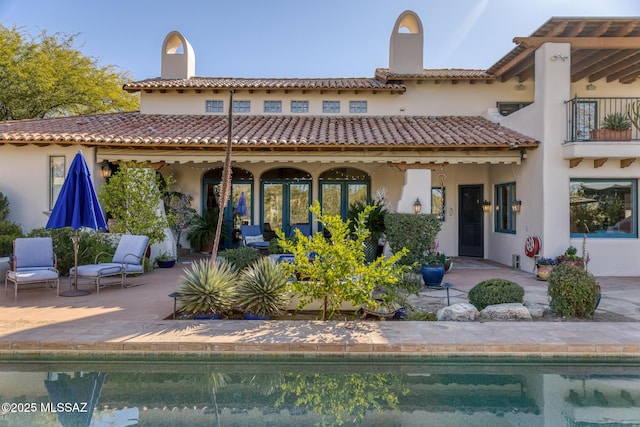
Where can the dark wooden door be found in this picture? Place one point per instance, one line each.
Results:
(471, 221)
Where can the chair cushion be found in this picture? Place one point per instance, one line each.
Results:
(133, 268)
(253, 239)
(259, 245)
(130, 249)
(32, 276)
(33, 252)
(97, 270)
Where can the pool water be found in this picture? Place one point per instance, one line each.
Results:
(306, 391)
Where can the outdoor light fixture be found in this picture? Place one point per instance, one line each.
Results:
(520, 86)
(516, 205)
(591, 86)
(417, 206)
(486, 206)
(106, 170)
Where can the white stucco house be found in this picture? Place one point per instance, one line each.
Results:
(502, 154)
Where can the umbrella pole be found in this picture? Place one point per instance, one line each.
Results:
(74, 292)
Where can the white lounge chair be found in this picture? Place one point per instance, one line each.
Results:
(34, 262)
(128, 259)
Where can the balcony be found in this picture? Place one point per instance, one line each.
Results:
(602, 129)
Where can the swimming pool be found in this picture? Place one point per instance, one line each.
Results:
(294, 391)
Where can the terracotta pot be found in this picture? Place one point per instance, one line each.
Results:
(543, 271)
(610, 135)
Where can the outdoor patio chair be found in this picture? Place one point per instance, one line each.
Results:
(34, 262)
(305, 229)
(252, 237)
(128, 259)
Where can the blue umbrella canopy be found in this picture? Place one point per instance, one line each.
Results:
(77, 205)
(241, 206)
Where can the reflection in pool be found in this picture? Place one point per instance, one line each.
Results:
(295, 391)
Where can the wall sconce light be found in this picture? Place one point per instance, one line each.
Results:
(105, 172)
(591, 86)
(520, 86)
(417, 206)
(559, 56)
(516, 205)
(486, 206)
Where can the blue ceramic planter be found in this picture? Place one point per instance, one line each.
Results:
(432, 275)
(207, 316)
(251, 316)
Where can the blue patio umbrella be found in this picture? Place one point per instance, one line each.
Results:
(77, 206)
(241, 206)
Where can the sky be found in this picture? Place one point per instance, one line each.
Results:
(294, 38)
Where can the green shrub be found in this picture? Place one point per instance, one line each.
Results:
(495, 291)
(91, 243)
(275, 247)
(415, 232)
(9, 231)
(573, 291)
(263, 288)
(241, 258)
(207, 288)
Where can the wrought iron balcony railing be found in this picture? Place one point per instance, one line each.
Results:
(603, 119)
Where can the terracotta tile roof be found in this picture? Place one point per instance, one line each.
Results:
(436, 74)
(197, 131)
(355, 83)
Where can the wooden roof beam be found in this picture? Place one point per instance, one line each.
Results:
(616, 68)
(626, 29)
(522, 55)
(602, 28)
(519, 68)
(577, 29)
(602, 63)
(625, 73)
(582, 42)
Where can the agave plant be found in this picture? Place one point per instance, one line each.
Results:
(263, 288)
(207, 288)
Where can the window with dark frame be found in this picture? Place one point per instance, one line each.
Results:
(241, 106)
(330, 106)
(505, 217)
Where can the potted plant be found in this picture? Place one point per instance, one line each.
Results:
(433, 267)
(374, 222)
(203, 230)
(570, 256)
(207, 290)
(262, 291)
(615, 126)
(544, 267)
(165, 260)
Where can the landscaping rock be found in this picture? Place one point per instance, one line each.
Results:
(511, 311)
(462, 312)
(536, 310)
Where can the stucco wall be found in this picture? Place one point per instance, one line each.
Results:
(424, 98)
(24, 179)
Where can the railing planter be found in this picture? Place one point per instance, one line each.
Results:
(610, 135)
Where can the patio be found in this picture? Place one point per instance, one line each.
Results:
(132, 320)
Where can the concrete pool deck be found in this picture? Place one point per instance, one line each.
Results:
(132, 320)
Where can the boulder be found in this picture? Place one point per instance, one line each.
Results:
(511, 311)
(536, 310)
(461, 312)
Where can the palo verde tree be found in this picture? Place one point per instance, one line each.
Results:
(334, 270)
(47, 76)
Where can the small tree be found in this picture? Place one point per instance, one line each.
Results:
(132, 197)
(178, 206)
(337, 271)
